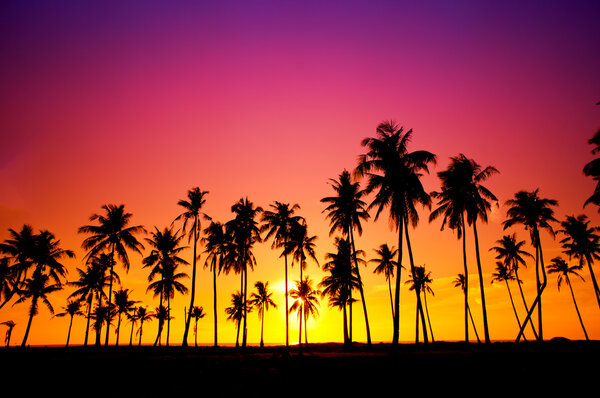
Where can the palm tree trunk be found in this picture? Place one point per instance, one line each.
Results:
(300, 320)
(131, 335)
(215, 295)
(396, 307)
(69, 332)
(350, 323)
(306, 329)
(428, 318)
(577, 309)
(262, 326)
(110, 277)
(141, 331)
(486, 331)
(594, 282)
(31, 314)
(196, 333)
(524, 302)
(160, 321)
(287, 315)
(118, 329)
(362, 294)
(87, 327)
(417, 291)
(193, 292)
(244, 329)
(513, 304)
(473, 323)
(391, 298)
(168, 318)
(345, 327)
(466, 271)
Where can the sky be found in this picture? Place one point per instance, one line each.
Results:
(134, 103)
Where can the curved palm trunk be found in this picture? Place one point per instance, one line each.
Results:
(87, 327)
(428, 318)
(473, 323)
(396, 307)
(69, 332)
(513, 304)
(486, 331)
(214, 296)
(577, 309)
(594, 282)
(524, 302)
(391, 298)
(466, 271)
(417, 291)
(193, 292)
(362, 294)
(31, 315)
(110, 277)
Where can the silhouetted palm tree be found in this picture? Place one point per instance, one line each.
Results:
(192, 212)
(534, 213)
(420, 280)
(345, 211)
(72, 308)
(583, 243)
(305, 303)
(460, 282)
(560, 267)
(123, 305)
(197, 313)
(112, 234)
(509, 250)
(504, 274)
(279, 223)
(37, 288)
(47, 256)
(261, 300)
(10, 324)
(102, 314)
(235, 313)
(143, 315)
(302, 246)
(592, 169)
(394, 173)
(386, 266)
(7, 281)
(20, 247)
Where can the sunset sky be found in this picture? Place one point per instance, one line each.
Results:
(137, 102)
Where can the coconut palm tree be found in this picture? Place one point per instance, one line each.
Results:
(245, 231)
(345, 211)
(113, 234)
(563, 270)
(72, 308)
(197, 313)
(302, 246)
(534, 213)
(394, 173)
(37, 288)
(420, 280)
(47, 256)
(235, 313)
(504, 274)
(510, 251)
(460, 282)
(123, 305)
(279, 223)
(143, 315)
(102, 314)
(261, 300)
(385, 264)
(192, 212)
(20, 249)
(305, 303)
(11, 326)
(582, 242)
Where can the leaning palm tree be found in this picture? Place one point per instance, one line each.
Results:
(305, 303)
(192, 212)
(394, 175)
(10, 324)
(197, 313)
(386, 266)
(123, 305)
(279, 223)
(113, 234)
(560, 267)
(37, 288)
(582, 242)
(143, 315)
(261, 300)
(460, 282)
(345, 211)
(20, 249)
(235, 313)
(534, 213)
(72, 308)
(504, 274)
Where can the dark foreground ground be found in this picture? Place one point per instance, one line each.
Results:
(454, 369)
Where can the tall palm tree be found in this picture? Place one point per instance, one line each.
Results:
(504, 274)
(10, 324)
(192, 212)
(20, 249)
(534, 213)
(235, 313)
(279, 223)
(305, 303)
(592, 169)
(37, 288)
(113, 234)
(420, 280)
(560, 267)
(583, 243)
(261, 300)
(123, 305)
(510, 251)
(345, 211)
(394, 175)
(385, 264)
(143, 315)
(72, 308)
(197, 313)
(245, 231)
(460, 282)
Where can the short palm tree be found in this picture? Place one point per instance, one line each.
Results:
(306, 301)
(504, 274)
(123, 305)
(235, 313)
(421, 280)
(113, 234)
(143, 315)
(460, 282)
(197, 313)
(192, 212)
(261, 300)
(102, 314)
(20, 249)
(302, 246)
(563, 270)
(10, 324)
(385, 264)
(72, 308)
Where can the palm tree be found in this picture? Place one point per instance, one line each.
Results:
(143, 315)
(20, 249)
(245, 232)
(10, 325)
(302, 246)
(261, 300)
(197, 313)
(345, 211)
(460, 282)
(235, 313)
(37, 288)
(420, 280)
(6, 278)
(386, 266)
(47, 256)
(123, 305)
(114, 234)
(560, 267)
(504, 274)
(394, 173)
(305, 303)
(102, 314)
(340, 282)
(534, 213)
(192, 212)
(510, 251)
(72, 308)
(583, 243)
(592, 169)
(279, 223)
